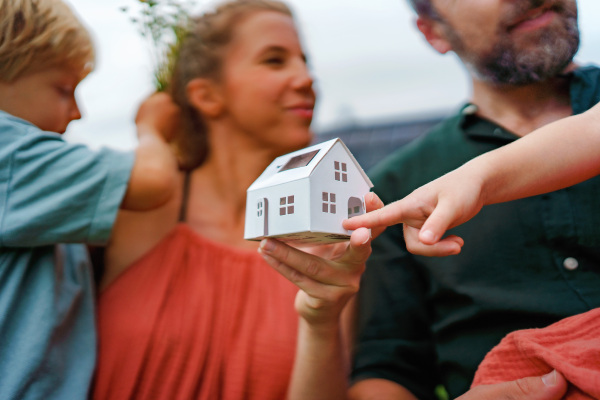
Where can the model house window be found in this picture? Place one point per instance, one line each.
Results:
(341, 171)
(329, 203)
(259, 209)
(299, 161)
(286, 205)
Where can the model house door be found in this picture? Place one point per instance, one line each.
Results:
(355, 207)
(262, 213)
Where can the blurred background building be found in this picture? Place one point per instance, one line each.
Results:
(371, 143)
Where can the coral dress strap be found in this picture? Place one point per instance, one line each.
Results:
(186, 195)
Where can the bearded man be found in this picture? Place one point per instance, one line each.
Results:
(425, 322)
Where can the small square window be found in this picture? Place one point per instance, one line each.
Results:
(344, 177)
(290, 199)
(344, 167)
(356, 209)
(349, 211)
(332, 208)
(325, 207)
(282, 201)
(290, 209)
(337, 176)
(259, 205)
(332, 197)
(282, 211)
(337, 164)
(325, 196)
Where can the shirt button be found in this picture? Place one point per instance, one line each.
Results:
(470, 109)
(570, 263)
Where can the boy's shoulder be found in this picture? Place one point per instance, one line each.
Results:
(18, 134)
(12, 128)
(11, 125)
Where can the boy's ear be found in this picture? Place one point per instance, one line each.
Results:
(433, 32)
(205, 96)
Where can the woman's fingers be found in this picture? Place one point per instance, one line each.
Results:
(307, 265)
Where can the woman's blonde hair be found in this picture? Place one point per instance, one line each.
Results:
(38, 34)
(200, 55)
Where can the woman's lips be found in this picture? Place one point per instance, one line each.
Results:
(303, 111)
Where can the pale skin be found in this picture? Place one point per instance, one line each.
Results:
(519, 109)
(47, 100)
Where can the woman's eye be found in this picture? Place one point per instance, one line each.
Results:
(274, 61)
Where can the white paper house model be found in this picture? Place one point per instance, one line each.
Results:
(304, 196)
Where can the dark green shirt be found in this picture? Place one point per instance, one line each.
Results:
(525, 264)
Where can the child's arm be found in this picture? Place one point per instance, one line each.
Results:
(154, 173)
(558, 155)
(57, 192)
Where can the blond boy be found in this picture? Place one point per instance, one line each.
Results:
(55, 192)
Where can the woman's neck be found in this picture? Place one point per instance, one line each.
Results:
(217, 197)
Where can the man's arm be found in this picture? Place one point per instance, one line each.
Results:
(548, 387)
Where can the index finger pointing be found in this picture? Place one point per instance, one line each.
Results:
(391, 214)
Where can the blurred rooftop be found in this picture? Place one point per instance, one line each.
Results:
(371, 143)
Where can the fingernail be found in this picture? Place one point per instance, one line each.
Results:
(549, 379)
(267, 245)
(427, 236)
(367, 239)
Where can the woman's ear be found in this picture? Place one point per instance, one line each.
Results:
(433, 32)
(203, 94)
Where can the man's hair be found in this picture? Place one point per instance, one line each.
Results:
(423, 8)
(40, 34)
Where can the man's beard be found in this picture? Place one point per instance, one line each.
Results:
(507, 64)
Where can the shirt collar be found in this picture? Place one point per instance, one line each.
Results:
(477, 127)
(480, 128)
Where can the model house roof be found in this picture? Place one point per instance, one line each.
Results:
(300, 164)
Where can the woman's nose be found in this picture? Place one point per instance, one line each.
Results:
(303, 78)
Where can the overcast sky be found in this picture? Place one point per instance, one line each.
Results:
(369, 61)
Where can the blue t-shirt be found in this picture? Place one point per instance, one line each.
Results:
(51, 192)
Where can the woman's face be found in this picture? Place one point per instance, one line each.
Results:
(267, 87)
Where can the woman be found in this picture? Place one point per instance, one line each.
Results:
(187, 308)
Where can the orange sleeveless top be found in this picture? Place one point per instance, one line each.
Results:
(196, 319)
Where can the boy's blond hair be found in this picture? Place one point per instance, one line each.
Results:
(39, 34)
